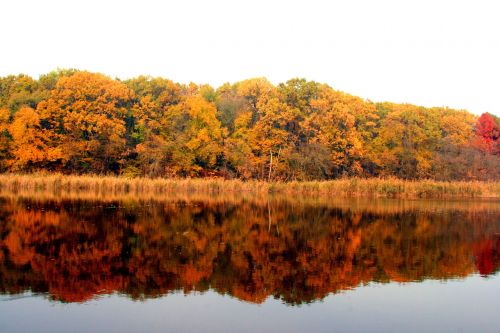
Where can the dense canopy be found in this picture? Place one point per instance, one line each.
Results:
(80, 122)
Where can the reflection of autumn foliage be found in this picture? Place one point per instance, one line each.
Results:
(77, 250)
(487, 254)
(74, 260)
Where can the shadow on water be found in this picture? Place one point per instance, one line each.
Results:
(298, 251)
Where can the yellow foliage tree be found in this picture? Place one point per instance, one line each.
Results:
(332, 124)
(87, 111)
(31, 143)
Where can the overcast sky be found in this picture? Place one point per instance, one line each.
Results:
(431, 53)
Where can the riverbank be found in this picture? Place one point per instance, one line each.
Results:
(102, 186)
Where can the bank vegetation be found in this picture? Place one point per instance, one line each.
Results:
(101, 187)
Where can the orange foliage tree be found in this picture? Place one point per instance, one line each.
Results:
(86, 113)
(298, 130)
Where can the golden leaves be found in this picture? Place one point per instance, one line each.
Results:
(298, 130)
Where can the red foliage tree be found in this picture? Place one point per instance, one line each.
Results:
(487, 133)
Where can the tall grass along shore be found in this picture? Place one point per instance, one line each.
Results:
(102, 186)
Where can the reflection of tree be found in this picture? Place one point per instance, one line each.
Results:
(76, 250)
(487, 255)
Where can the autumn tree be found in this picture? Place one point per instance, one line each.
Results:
(198, 135)
(332, 125)
(31, 144)
(74, 121)
(5, 138)
(240, 110)
(87, 113)
(147, 125)
(407, 140)
(17, 91)
(487, 131)
(181, 132)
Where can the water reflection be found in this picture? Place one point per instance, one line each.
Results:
(75, 250)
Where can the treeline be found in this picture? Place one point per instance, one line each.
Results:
(80, 122)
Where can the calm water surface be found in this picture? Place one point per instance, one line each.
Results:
(220, 265)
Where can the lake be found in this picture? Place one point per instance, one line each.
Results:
(230, 264)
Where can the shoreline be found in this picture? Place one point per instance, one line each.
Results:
(39, 184)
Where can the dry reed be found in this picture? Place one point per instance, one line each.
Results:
(103, 186)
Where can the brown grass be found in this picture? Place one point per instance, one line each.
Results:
(100, 187)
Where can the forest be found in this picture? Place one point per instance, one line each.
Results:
(78, 122)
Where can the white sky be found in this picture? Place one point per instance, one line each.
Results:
(440, 52)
